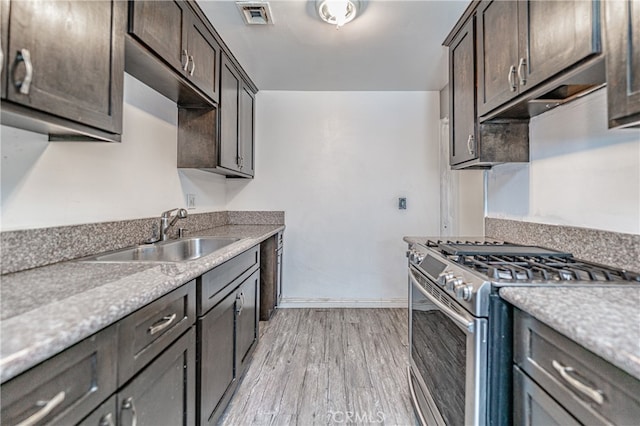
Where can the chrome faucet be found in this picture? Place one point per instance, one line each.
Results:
(166, 221)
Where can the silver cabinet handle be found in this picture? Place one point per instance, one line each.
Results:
(23, 86)
(522, 69)
(1, 59)
(193, 65)
(162, 324)
(185, 55)
(47, 407)
(106, 420)
(128, 404)
(511, 78)
(240, 299)
(470, 144)
(594, 394)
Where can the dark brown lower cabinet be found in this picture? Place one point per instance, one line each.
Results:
(270, 275)
(164, 392)
(66, 388)
(227, 335)
(216, 362)
(247, 319)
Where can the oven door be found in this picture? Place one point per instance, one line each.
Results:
(448, 356)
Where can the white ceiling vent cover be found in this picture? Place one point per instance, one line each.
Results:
(255, 12)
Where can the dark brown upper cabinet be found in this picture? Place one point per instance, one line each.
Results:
(523, 44)
(236, 119)
(622, 22)
(173, 33)
(4, 28)
(462, 83)
(473, 144)
(63, 67)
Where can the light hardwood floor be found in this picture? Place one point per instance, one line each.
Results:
(327, 366)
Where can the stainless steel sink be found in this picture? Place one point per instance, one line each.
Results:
(170, 251)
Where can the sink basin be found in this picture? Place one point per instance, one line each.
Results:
(170, 251)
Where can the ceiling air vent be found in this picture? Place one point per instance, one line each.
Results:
(255, 13)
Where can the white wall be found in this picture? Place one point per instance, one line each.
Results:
(337, 162)
(580, 174)
(64, 183)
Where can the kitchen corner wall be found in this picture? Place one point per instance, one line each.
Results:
(337, 162)
(581, 174)
(67, 183)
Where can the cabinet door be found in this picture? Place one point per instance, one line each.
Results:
(247, 319)
(204, 58)
(533, 407)
(160, 25)
(229, 103)
(497, 53)
(164, 392)
(246, 117)
(554, 35)
(72, 53)
(462, 95)
(623, 62)
(4, 30)
(216, 363)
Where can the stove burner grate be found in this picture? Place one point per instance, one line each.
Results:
(547, 268)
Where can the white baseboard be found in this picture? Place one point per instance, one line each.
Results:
(294, 302)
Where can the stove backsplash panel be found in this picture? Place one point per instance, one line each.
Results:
(609, 248)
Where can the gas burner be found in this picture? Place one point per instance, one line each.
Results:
(542, 269)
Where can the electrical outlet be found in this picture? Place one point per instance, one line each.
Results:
(191, 201)
(402, 203)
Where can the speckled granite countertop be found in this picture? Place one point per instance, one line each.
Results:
(606, 321)
(46, 310)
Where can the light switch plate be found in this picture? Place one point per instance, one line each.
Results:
(402, 203)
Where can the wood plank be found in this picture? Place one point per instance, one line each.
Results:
(327, 366)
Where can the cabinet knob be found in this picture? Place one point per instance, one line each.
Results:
(193, 65)
(23, 86)
(106, 420)
(470, 146)
(128, 404)
(512, 79)
(522, 69)
(185, 56)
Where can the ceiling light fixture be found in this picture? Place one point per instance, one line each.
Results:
(338, 12)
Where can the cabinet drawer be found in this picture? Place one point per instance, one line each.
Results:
(593, 390)
(532, 405)
(211, 284)
(65, 388)
(148, 331)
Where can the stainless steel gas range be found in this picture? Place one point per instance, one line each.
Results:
(460, 330)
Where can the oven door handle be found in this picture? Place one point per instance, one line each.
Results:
(455, 317)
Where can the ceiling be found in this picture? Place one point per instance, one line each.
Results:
(391, 45)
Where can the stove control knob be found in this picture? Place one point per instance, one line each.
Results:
(463, 291)
(453, 283)
(418, 257)
(443, 277)
(410, 254)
